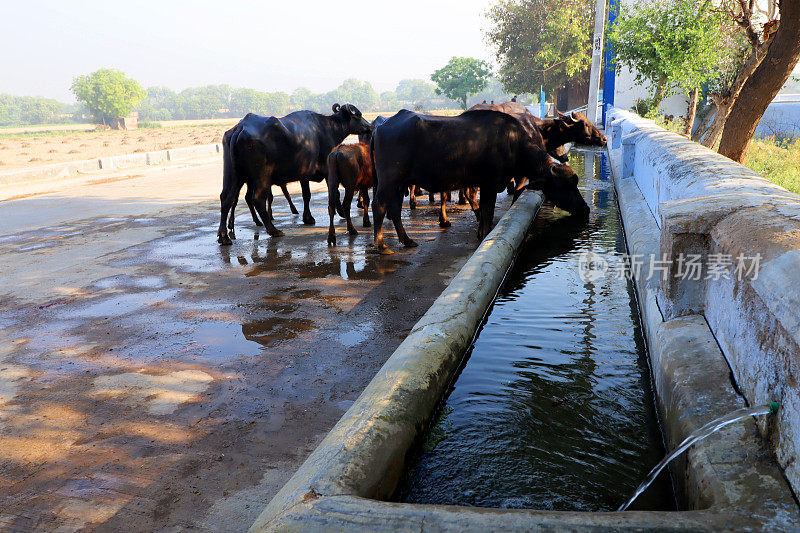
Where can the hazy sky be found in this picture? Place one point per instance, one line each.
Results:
(264, 45)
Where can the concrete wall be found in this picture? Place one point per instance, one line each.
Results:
(704, 203)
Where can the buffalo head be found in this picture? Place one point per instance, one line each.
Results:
(366, 137)
(559, 183)
(351, 116)
(582, 130)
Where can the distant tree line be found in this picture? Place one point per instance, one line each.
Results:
(224, 101)
(221, 101)
(24, 110)
(218, 101)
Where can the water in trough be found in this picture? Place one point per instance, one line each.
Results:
(554, 407)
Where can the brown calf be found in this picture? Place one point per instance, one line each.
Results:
(349, 165)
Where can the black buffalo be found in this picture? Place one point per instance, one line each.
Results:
(265, 151)
(483, 149)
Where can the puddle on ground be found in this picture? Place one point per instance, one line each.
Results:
(220, 341)
(123, 304)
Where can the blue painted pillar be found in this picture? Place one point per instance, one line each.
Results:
(542, 103)
(609, 75)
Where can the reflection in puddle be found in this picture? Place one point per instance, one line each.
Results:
(124, 304)
(221, 341)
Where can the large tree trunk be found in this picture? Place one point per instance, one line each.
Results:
(760, 89)
(725, 101)
(691, 112)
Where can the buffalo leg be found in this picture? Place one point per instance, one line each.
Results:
(394, 213)
(462, 197)
(365, 204)
(487, 201)
(348, 199)
(226, 200)
(412, 197)
(269, 204)
(248, 197)
(231, 217)
(288, 197)
(331, 213)
(443, 222)
(470, 196)
(518, 188)
(431, 197)
(261, 198)
(307, 218)
(378, 214)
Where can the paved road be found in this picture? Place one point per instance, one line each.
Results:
(151, 379)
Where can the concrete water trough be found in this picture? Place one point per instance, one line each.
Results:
(714, 346)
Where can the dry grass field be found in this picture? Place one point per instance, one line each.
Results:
(20, 147)
(24, 150)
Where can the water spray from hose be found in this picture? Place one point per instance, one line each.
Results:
(698, 435)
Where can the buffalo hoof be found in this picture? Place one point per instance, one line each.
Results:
(409, 243)
(352, 231)
(224, 240)
(444, 224)
(412, 205)
(385, 251)
(275, 233)
(231, 234)
(258, 223)
(331, 239)
(308, 220)
(294, 210)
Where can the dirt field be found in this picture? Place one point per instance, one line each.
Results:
(20, 148)
(24, 151)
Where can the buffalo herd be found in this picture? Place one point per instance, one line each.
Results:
(479, 153)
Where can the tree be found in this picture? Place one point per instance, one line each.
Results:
(673, 45)
(760, 88)
(543, 43)
(301, 98)
(16, 110)
(754, 29)
(461, 77)
(108, 94)
(352, 91)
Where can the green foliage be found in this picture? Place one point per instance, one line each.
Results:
(541, 42)
(672, 44)
(26, 110)
(108, 94)
(245, 101)
(461, 77)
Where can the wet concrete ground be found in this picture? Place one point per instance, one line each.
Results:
(151, 379)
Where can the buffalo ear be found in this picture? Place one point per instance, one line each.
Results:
(335, 108)
(561, 115)
(573, 118)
